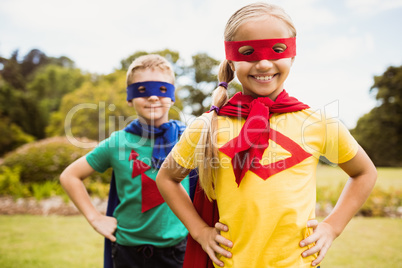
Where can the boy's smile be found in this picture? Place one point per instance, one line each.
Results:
(153, 110)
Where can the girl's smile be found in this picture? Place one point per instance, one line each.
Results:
(263, 78)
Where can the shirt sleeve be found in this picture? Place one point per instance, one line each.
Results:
(184, 152)
(339, 146)
(99, 158)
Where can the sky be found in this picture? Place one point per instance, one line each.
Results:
(341, 45)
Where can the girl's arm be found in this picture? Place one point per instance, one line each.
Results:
(168, 182)
(363, 175)
(71, 180)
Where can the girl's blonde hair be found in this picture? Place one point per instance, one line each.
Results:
(207, 149)
(150, 61)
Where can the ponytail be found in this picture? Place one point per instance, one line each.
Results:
(207, 149)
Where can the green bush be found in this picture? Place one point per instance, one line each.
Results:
(10, 183)
(46, 189)
(383, 203)
(11, 136)
(380, 203)
(44, 160)
(33, 170)
(96, 188)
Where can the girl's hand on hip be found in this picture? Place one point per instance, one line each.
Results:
(210, 240)
(322, 236)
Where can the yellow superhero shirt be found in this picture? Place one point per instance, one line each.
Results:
(267, 213)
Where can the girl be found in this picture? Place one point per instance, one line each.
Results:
(257, 155)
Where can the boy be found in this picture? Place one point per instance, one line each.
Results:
(143, 229)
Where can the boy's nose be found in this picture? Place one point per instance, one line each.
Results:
(153, 98)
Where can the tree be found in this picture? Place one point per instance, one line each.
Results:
(17, 73)
(50, 84)
(196, 95)
(380, 131)
(89, 110)
(203, 80)
(31, 89)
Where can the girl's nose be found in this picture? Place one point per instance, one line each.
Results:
(264, 64)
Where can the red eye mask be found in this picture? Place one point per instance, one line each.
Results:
(265, 49)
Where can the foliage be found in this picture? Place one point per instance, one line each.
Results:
(20, 110)
(381, 203)
(30, 90)
(12, 136)
(16, 72)
(44, 160)
(203, 82)
(10, 182)
(97, 188)
(51, 83)
(380, 131)
(11, 185)
(94, 110)
(45, 189)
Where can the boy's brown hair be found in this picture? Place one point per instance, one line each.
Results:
(151, 61)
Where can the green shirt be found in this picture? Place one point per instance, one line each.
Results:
(157, 226)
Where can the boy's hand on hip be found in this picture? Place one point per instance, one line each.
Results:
(210, 239)
(322, 236)
(105, 225)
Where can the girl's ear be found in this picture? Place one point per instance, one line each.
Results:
(293, 59)
(130, 103)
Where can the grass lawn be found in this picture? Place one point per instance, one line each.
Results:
(367, 242)
(56, 241)
(49, 242)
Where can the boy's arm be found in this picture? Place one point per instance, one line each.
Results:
(363, 175)
(168, 182)
(71, 180)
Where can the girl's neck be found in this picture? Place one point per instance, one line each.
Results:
(272, 96)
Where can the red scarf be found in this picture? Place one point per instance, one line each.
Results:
(253, 138)
(247, 148)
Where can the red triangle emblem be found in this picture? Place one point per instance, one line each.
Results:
(139, 167)
(266, 171)
(151, 196)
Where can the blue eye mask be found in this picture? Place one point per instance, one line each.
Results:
(150, 88)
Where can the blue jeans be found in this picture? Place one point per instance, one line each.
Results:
(148, 256)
